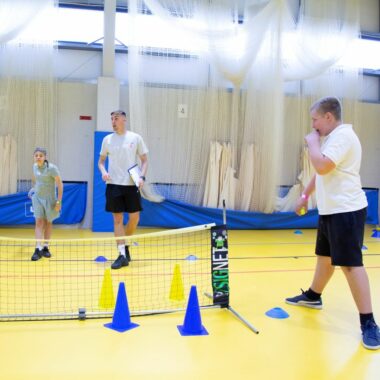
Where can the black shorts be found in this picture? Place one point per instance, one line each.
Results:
(340, 236)
(122, 199)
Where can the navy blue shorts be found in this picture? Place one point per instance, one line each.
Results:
(122, 199)
(340, 236)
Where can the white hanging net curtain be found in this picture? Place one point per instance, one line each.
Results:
(208, 90)
(27, 89)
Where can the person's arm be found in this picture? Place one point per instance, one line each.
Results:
(59, 184)
(309, 189)
(102, 168)
(144, 168)
(321, 163)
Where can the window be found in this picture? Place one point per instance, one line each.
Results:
(66, 24)
(82, 28)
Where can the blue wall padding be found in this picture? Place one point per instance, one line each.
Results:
(15, 209)
(174, 214)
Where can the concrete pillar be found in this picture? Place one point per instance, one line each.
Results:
(108, 98)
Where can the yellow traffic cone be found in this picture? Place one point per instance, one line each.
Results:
(107, 298)
(176, 288)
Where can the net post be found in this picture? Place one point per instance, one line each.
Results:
(224, 213)
(219, 269)
(219, 266)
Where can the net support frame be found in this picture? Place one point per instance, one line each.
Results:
(227, 304)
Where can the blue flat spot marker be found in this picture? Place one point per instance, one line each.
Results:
(298, 232)
(191, 258)
(277, 312)
(376, 233)
(135, 243)
(364, 247)
(101, 259)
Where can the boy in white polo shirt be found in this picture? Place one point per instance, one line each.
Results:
(123, 149)
(335, 153)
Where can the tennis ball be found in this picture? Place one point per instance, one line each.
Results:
(302, 211)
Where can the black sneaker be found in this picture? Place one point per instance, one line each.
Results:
(36, 255)
(127, 254)
(371, 335)
(303, 300)
(45, 252)
(121, 261)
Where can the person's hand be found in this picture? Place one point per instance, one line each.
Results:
(312, 138)
(31, 193)
(301, 206)
(105, 177)
(141, 183)
(58, 206)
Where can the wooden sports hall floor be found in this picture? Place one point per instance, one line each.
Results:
(265, 267)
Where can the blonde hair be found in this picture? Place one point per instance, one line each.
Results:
(328, 104)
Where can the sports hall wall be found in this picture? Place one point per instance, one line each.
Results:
(76, 137)
(77, 72)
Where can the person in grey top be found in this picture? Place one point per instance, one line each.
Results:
(46, 203)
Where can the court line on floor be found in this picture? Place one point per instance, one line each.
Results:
(288, 257)
(262, 257)
(290, 243)
(287, 270)
(170, 274)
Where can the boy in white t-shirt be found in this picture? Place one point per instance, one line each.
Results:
(335, 153)
(123, 148)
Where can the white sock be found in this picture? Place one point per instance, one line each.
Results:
(39, 246)
(121, 249)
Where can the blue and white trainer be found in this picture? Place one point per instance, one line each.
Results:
(371, 335)
(303, 300)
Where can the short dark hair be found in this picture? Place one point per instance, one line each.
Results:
(328, 104)
(41, 150)
(118, 113)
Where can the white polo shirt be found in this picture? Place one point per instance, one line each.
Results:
(122, 152)
(340, 190)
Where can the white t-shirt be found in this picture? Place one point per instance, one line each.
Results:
(340, 190)
(122, 152)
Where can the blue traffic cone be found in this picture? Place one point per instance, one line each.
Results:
(192, 325)
(121, 320)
